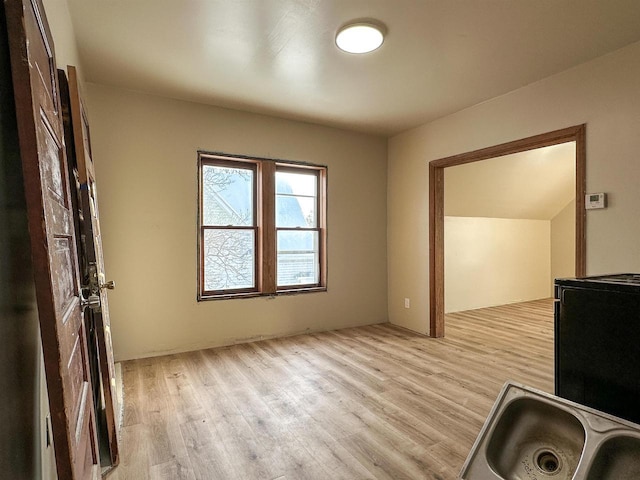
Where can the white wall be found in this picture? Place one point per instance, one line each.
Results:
(535, 184)
(495, 261)
(145, 149)
(66, 49)
(563, 243)
(603, 93)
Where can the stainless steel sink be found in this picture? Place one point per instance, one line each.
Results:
(618, 457)
(531, 435)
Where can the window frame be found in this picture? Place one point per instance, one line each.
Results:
(245, 165)
(264, 225)
(286, 168)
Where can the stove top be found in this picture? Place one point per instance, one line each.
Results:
(627, 281)
(624, 278)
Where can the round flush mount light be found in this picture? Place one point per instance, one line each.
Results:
(360, 36)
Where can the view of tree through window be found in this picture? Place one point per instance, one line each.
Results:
(261, 226)
(229, 245)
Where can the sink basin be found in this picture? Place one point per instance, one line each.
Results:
(532, 435)
(617, 459)
(535, 437)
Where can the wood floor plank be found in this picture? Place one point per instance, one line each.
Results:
(175, 469)
(374, 402)
(206, 459)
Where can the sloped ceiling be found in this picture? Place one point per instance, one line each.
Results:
(536, 185)
(278, 56)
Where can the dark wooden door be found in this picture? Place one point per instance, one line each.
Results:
(52, 236)
(97, 283)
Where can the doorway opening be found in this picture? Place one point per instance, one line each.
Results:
(436, 208)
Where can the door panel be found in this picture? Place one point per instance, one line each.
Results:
(51, 230)
(94, 255)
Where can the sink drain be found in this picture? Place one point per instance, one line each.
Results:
(548, 462)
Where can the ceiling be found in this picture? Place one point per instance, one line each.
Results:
(536, 184)
(278, 57)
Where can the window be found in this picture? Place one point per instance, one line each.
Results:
(262, 227)
(229, 227)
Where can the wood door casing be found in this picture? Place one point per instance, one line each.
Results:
(94, 254)
(575, 134)
(51, 230)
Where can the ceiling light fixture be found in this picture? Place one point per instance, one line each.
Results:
(362, 36)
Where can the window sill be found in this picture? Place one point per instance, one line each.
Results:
(237, 296)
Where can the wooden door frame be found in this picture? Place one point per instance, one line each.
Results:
(436, 207)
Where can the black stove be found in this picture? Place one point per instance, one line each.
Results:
(597, 342)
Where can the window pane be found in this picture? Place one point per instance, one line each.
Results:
(298, 258)
(229, 259)
(296, 199)
(297, 183)
(227, 196)
(294, 212)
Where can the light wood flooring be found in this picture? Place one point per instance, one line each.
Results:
(376, 402)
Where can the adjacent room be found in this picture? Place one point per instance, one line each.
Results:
(238, 247)
(509, 227)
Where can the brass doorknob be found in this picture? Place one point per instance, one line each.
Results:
(110, 285)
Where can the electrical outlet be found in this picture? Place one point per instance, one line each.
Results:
(407, 303)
